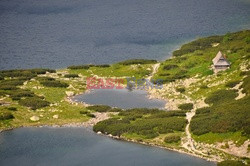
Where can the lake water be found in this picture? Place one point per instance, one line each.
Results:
(59, 33)
(79, 146)
(121, 98)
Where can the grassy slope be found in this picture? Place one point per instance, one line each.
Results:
(196, 63)
(116, 70)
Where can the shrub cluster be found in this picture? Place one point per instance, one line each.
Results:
(27, 73)
(54, 83)
(10, 84)
(181, 90)
(137, 61)
(34, 102)
(90, 115)
(86, 67)
(19, 93)
(102, 66)
(186, 106)
(45, 79)
(172, 139)
(87, 113)
(230, 163)
(232, 84)
(170, 66)
(12, 108)
(74, 67)
(246, 85)
(71, 75)
(227, 116)
(199, 44)
(221, 96)
(6, 116)
(135, 121)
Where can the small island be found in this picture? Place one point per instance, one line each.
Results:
(206, 115)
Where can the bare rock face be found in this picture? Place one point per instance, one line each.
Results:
(69, 93)
(34, 118)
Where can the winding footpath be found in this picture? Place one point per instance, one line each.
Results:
(155, 69)
(187, 142)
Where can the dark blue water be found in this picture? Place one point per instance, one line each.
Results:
(121, 98)
(58, 33)
(78, 146)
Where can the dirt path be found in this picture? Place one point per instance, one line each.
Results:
(188, 142)
(155, 69)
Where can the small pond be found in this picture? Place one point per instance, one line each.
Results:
(122, 98)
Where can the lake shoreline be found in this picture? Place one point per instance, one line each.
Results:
(82, 125)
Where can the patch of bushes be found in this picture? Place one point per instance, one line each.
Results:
(87, 114)
(230, 163)
(165, 114)
(227, 116)
(137, 61)
(246, 85)
(99, 108)
(245, 73)
(115, 110)
(172, 139)
(232, 84)
(76, 67)
(6, 116)
(3, 93)
(83, 112)
(204, 110)
(199, 44)
(13, 82)
(7, 87)
(186, 106)
(34, 103)
(170, 66)
(204, 87)
(181, 90)
(42, 71)
(103, 65)
(164, 74)
(86, 67)
(71, 75)
(148, 123)
(45, 79)
(221, 96)
(27, 73)
(12, 108)
(148, 134)
(54, 83)
(90, 115)
(19, 93)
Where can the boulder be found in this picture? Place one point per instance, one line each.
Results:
(69, 93)
(34, 118)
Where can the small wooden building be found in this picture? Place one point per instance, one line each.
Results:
(220, 62)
